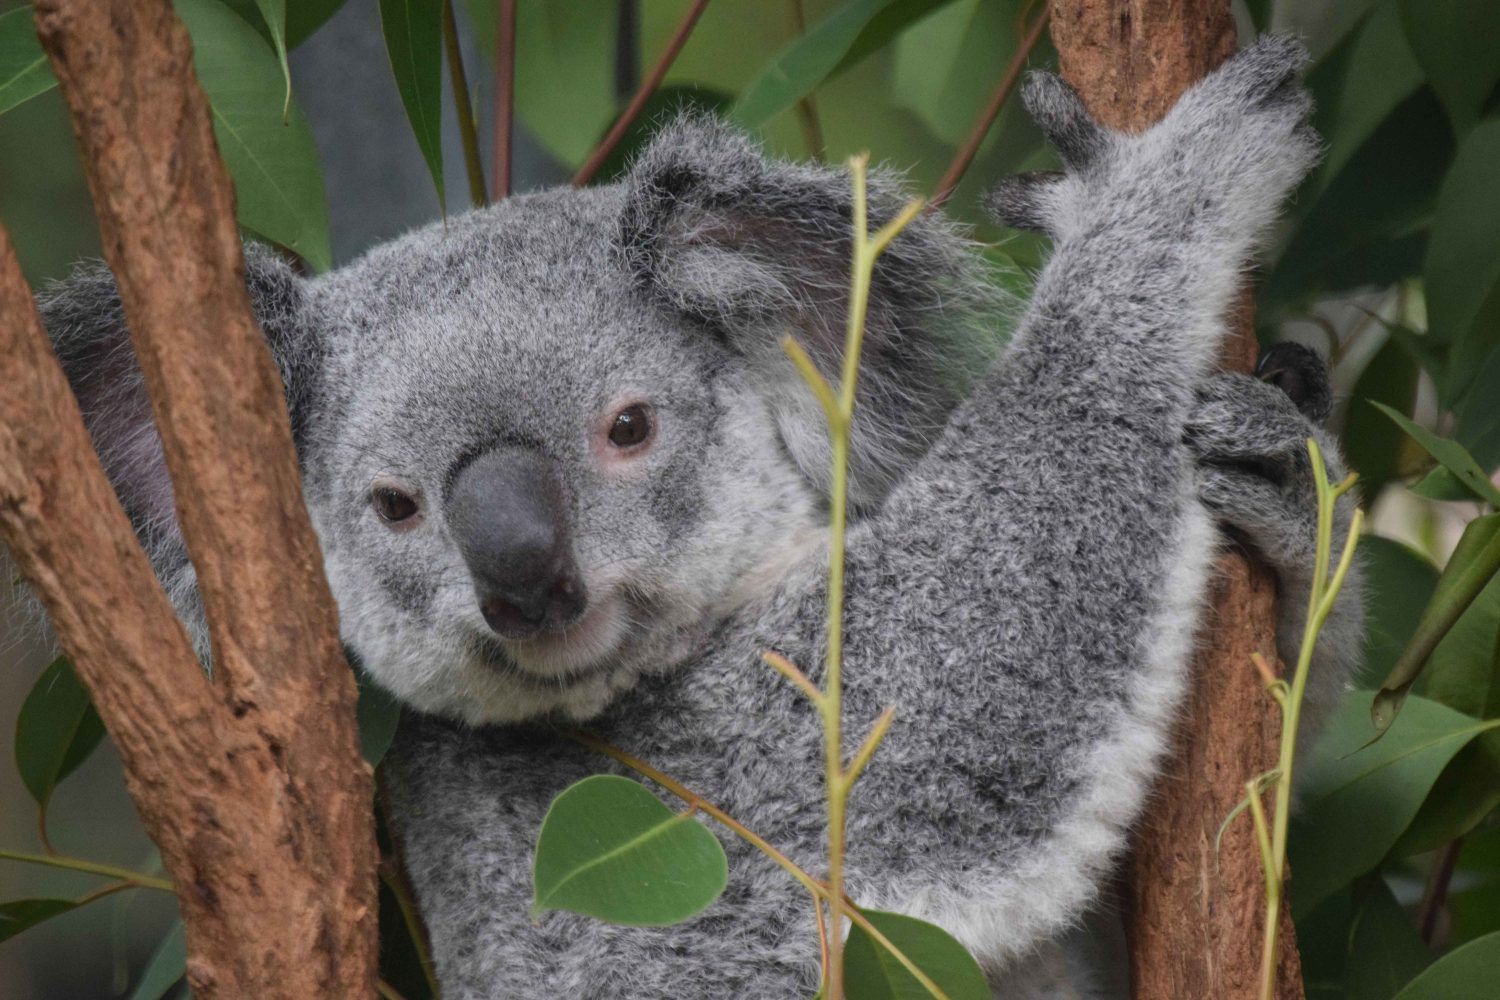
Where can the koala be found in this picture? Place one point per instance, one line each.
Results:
(562, 471)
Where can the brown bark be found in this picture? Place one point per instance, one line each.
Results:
(251, 785)
(1194, 916)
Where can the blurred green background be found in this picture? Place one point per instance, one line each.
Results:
(1397, 228)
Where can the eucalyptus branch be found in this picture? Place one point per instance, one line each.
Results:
(125, 875)
(642, 95)
(505, 97)
(1271, 833)
(465, 107)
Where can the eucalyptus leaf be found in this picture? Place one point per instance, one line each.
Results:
(1359, 797)
(278, 180)
(1473, 564)
(805, 62)
(945, 66)
(56, 730)
(565, 80)
(1451, 454)
(1384, 947)
(414, 41)
(24, 71)
(1455, 42)
(23, 914)
(273, 13)
(1372, 444)
(166, 968)
(1462, 269)
(1477, 416)
(378, 714)
(1399, 582)
(1468, 972)
(872, 972)
(610, 849)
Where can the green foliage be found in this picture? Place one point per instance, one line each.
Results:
(23, 66)
(872, 972)
(1469, 973)
(17, 915)
(378, 715)
(414, 40)
(55, 732)
(167, 966)
(1358, 797)
(610, 849)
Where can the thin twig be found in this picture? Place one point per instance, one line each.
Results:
(505, 97)
(642, 95)
(387, 991)
(807, 108)
(970, 148)
(1436, 892)
(790, 671)
(822, 938)
(464, 106)
(396, 883)
(871, 744)
(91, 867)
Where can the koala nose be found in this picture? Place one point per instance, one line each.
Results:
(507, 513)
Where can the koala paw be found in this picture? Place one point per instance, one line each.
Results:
(1249, 436)
(1221, 160)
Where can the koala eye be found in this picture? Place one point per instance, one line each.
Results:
(393, 505)
(631, 426)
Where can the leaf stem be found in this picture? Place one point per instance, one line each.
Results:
(465, 107)
(91, 867)
(505, 98)
(981, 127)
(392, 877)
(642, 95)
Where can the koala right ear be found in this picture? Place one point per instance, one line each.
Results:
(86, 322)
(754, 248)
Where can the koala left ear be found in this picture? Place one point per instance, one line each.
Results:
(755, 249)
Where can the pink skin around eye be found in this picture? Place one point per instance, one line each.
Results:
(611, 455)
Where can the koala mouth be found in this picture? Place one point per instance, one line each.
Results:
(572, 655)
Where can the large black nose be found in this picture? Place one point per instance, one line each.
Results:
(508, 514)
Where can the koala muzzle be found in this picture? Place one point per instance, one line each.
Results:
(508, 514)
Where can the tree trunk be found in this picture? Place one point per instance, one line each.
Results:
(1193, 915)
(251, 784)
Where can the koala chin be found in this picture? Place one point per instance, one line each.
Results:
(561, 468)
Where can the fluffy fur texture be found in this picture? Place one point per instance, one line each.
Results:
(1024, 581)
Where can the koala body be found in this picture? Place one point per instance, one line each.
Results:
(561, 470)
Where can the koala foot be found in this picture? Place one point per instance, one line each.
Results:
(1223, 158)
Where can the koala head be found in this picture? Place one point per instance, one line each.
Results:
(552, 444)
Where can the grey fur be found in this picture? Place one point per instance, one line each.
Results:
(1024, 580)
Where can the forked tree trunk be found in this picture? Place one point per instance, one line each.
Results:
(1193, 916)
(251, 784)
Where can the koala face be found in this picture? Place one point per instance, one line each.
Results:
(531, 482)
(551, 444)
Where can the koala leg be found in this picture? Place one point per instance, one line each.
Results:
(1249, 435)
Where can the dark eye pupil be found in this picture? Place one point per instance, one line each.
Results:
(631, 427)
(393, 505)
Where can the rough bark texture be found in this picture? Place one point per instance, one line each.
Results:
(251, 785)
(1193, 916)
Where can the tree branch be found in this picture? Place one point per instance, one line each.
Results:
(252, 786)
(505, 98)
(1193, 916)
(642, 95)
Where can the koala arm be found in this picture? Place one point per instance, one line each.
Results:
(1027, 597)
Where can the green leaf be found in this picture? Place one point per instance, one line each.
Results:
(1384, 947)
(1371, 443)
(378, 714)
(168, 965)
(871, 972)
(610, 849)
(273, 13)
(883, 28)
(24, 72)
(1455, 43)
(946, 65)
(1477, 418)
(21, 914)
(278, 181)
(565, 83)
(1452, 456)
(414, 39)
(804, 63)
(56, 730)
(1469, 972)
(1462, 270)
(1398, 584)
(1465, 793)
(1360, 796)
(307, 16)
(1474, 563)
